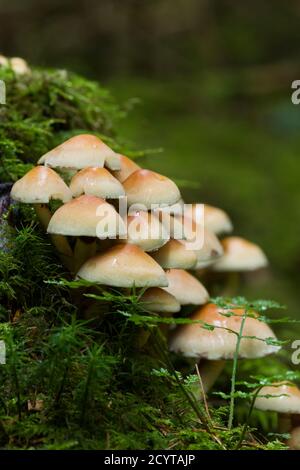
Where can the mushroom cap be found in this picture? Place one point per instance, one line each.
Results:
(160, 301)
(174, 255)
(113, 161)
(204, 242)
(192, 340)
(96, 182)
(281, 404)
(123, 266)
(174, 209)
(216, 220)
(19, 65)
(81, 151)
(147, 187)
(294, 441)
(240, 255)
(87, 216)
(185, 287)
(40, 185)
(128, 167)
(145, 230)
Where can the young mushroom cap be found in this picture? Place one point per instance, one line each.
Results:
(87, 216)
(192, 340)
(78, 152)
(19, 65)
(217, 220)
(185, 287)
(98, 182)
(282, 397)
(205, 243)
(123, 266)
(127, 168)
(240, 255)
(145, 230)
(147, 187)
(174, 255)
(40, 185)
(158, 300)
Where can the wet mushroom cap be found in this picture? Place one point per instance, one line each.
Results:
(240, 255)
(98, 182)
(147, 187)
(123, 266)
(88, 216)
(79, 152)
(282, 397)
(186, 288)
(128, 167)
(192, 340)
(174, 255)
(158, 300)
(205, 244)
(145, 230)
(40, 185)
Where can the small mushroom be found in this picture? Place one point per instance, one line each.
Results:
(158, 300)
(123, 266)
(214, 219)
(127, 168)
(19, 65)
(185, 287)
(145, 230)
(217, 345)
(284, 398)
(149, 188)
(38, 187)
(207, 247)
(98, 182)
(174, 255)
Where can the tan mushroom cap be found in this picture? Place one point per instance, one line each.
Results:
(216, 220)
(98, 182)
(113, 161)
(294, 440)
(123, 266)
(87, 216)
(147, 187)
(186, 288)
(205, 243)
(158, 300)
(145, 230)
(174, 209)
(240, 255)
(285, 398)
(40, 185)
(128, 167)
(79, 152)
(174, 255)
(192, 340)
(19, 65)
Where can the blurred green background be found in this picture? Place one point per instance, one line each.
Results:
(210, 83)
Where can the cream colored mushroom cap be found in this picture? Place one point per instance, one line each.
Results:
(186, 288)
(123, 266)
(98, 182)
(40, 185)
(204, 242)
(192, 340)
(158, 300)
(19, 65)
(294, 440)
(147, 187)
(128, 167)
(145, 230)
(79, 152)
(216, 220)
(285, 398)
(174, 255)
(240, 255)
(87, 216)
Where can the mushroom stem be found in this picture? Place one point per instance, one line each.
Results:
(59, 241)
(284, 423)
(231, 284)
(85, 247)
(209, 372)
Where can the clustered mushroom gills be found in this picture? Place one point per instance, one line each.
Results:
(151, 248)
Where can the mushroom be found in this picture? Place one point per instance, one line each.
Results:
(86, 216)
(98, 182)
(149, 188)
(127, 168)
(185, 287)
(214, 219)
(215, 346)
(282, 397)
(158, 300)
(78, 152)
(145, 230)
(19, 65)
(174, 255)
(38, 187)
(206, 246)
(240, 255)
(123, 266)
